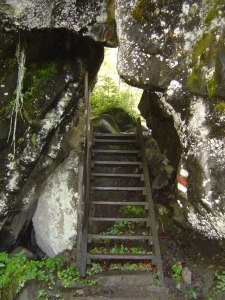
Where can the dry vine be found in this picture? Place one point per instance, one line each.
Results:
(18, 102)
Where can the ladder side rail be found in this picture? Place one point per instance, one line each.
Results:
(82, 237)
(150, 205)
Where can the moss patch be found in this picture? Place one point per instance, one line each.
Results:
(218, 9)
(204, 58)
(110, 8)
(220, 106)
(36, 78)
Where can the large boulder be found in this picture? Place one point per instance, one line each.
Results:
(53, 105)
(55, 218)
(175, 51)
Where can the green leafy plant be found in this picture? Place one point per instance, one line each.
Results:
(193, 294)
(132, 211)
(107, 99)
(94, 269)
(16, 271)
(177, 271)
(41, 293)
(157, 281)
(129, 267)
(219, 286)
(119, 228)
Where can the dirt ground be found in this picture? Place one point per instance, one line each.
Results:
(203, 258)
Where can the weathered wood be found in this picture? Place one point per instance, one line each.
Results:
(116, 135)
(116, 163)
(104, 219)
(151, 206)
(111, 141)
(117, 189)
(86, 181)
(120, 237)
(126, 175)
(131, 203)
(108, 151)
(120, 256)
(81, 256)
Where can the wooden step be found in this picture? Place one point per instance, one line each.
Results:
(116, 163)
(141, 175)
(108, 151)
(91, 256)
(131, 203)
(113, 141)
(118, 188)
(104, 219)
(124, 135)
(120, 237)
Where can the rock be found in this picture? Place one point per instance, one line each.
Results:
(159, 182)
(170, 172)
(53, 96)
(175, 51)
(186, 275)
(105, 124)
(29, 255)
(153, 154)
(55, 219)
(178, 215)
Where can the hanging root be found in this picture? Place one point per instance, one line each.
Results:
(18, 102)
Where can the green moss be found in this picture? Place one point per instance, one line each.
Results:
(202, 45)
(204, 56)
(220, 106)
(212, 86)
(214, 12)
(137, 12)
(36, 79)
(194, 81)
(110, 8)
(143, 6)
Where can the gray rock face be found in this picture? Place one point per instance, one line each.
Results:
(89, 18)
(55, 218)
(52, 109)
(174, 50)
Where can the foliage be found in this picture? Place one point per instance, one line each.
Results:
(130, 266)
(129, 211)
(219, 287)
(214, 12)
(36, 79)
(177, 271)
(107, 98)
(16, 271)
(119, 228)
(193, 294)
(220, 106)
(157, 281)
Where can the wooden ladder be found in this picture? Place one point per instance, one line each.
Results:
(120, 159)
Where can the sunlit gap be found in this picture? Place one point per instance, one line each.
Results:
(111, 92)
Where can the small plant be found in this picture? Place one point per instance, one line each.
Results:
(41, 293)
(177, 271)
(114, 147)
(96, 250)
(157, 281)
(120, 227)
(219, 287)
(95, 269)
(129, 267)
(193, 294)
(16, 271)
(115, 266)
(132, 211)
